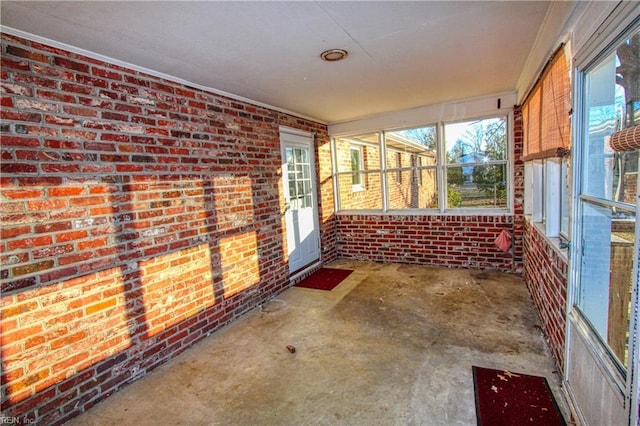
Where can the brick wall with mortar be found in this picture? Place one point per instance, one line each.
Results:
(546, 277)
(138, 216)
(446, 240)
(125, 239)
(442, 240)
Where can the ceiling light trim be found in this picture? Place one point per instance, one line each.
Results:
(334, 55)
(93, 55)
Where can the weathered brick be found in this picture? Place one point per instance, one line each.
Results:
(111, 75)
(19, 64)
(110, 181)
(67, 63)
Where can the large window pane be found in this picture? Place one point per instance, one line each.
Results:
(359, 178)
(605, 279)
(370, 152)
(420, 139)
(408, 169)
(480, 148)
(608, 197)
(411, 183)
(477, 141)
(418, 189)
(612, 105)
(477, 186)
(564, 197)
(368, 197)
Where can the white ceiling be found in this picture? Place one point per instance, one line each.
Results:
(401, 54)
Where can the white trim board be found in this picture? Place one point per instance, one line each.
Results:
(99, 57)
(429, 114)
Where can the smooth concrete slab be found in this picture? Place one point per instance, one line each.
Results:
(393, 344)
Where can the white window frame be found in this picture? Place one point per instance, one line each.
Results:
(441, 168)
(565, 198)
(538, 186)
(552, 192)
(359, 174)
(544, 197)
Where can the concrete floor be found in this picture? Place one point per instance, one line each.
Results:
(391, 345)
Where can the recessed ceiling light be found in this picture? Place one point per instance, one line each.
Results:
(333, 55)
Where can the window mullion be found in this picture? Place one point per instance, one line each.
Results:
(335, 174)
(383, 170)
(441, 168)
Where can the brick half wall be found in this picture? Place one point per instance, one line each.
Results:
(546, 277)
(451, 241)
(441, 240)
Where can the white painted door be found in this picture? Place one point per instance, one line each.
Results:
(301, 213)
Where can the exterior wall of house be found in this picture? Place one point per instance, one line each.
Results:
(410, 188)
(405, 188)
(366, 196)
(138, 216)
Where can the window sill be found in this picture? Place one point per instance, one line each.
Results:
(553, 242)
(357, 188)
(427, 212)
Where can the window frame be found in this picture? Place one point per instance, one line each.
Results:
(546, 202)
(442, 145)
(565, 199)
(357, 173)
(439, 167)
(585, 198)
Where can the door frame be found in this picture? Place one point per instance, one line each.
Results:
(303, 139)
(582, 344)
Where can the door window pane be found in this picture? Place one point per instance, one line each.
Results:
(605, 279)
(608, 199)
(612, 104)
(299, 178)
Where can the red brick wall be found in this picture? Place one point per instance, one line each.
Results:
(138, 216)
(546, 276)
(458, 241)
(452, 241)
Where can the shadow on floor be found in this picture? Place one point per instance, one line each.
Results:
(392, 344)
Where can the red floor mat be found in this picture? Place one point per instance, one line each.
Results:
(325, 278)
(509, 399)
